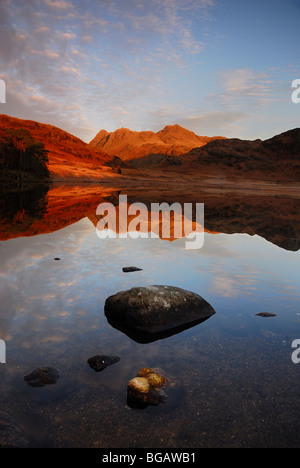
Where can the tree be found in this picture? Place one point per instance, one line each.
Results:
(19, 151)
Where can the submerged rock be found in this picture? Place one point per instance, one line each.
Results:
(146, 388)
(42, 376)
(155, 380)
(11, 436)
(149, 313)
(130, 269)
(266, 314)
(100, 362)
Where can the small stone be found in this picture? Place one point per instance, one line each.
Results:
(145, 388)
(266, 314)
(100, 362)
(139, 388)
(42, 376)
(155, 380)
(130, 269)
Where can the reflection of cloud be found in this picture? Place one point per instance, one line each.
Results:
(228, 284)
(42, 297)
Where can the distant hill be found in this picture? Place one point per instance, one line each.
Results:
(277, 157)
(68, 155)
(173, 140)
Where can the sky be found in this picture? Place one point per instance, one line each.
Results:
(216, 67)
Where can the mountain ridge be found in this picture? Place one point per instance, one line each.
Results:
(172, 140)
(174, 149)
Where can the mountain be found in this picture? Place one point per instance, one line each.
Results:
(173, 140)
(174, 150)
(277, 157)
(68, 156)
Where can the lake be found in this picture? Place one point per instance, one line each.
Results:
(232, 379)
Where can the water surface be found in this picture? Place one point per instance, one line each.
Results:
(235, 382)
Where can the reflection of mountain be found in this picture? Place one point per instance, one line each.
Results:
(18, 211)
(159, 220)
(277, 219)
(61, 206)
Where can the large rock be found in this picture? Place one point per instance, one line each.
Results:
(149, 313)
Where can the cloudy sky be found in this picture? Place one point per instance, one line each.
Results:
(217, 67)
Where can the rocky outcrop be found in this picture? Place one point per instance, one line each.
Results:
(149, 313)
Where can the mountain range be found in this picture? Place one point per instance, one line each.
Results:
(173, 150)
(173, 140)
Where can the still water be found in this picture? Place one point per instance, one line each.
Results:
(235, 384)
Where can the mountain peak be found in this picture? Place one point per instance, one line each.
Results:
(128, 144)
(174, 129)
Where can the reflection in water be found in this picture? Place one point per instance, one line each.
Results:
(142, 336)
(20, 209)
(236, 383)
(40, 211)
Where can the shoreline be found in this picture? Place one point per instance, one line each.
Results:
(205, 184)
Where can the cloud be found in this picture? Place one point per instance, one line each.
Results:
(217, 123)
(59, 4)
(108, 64)
(67, 35)
(244, 84)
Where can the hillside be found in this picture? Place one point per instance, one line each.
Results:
(68, 155)
(173, 140)
(277, 157)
